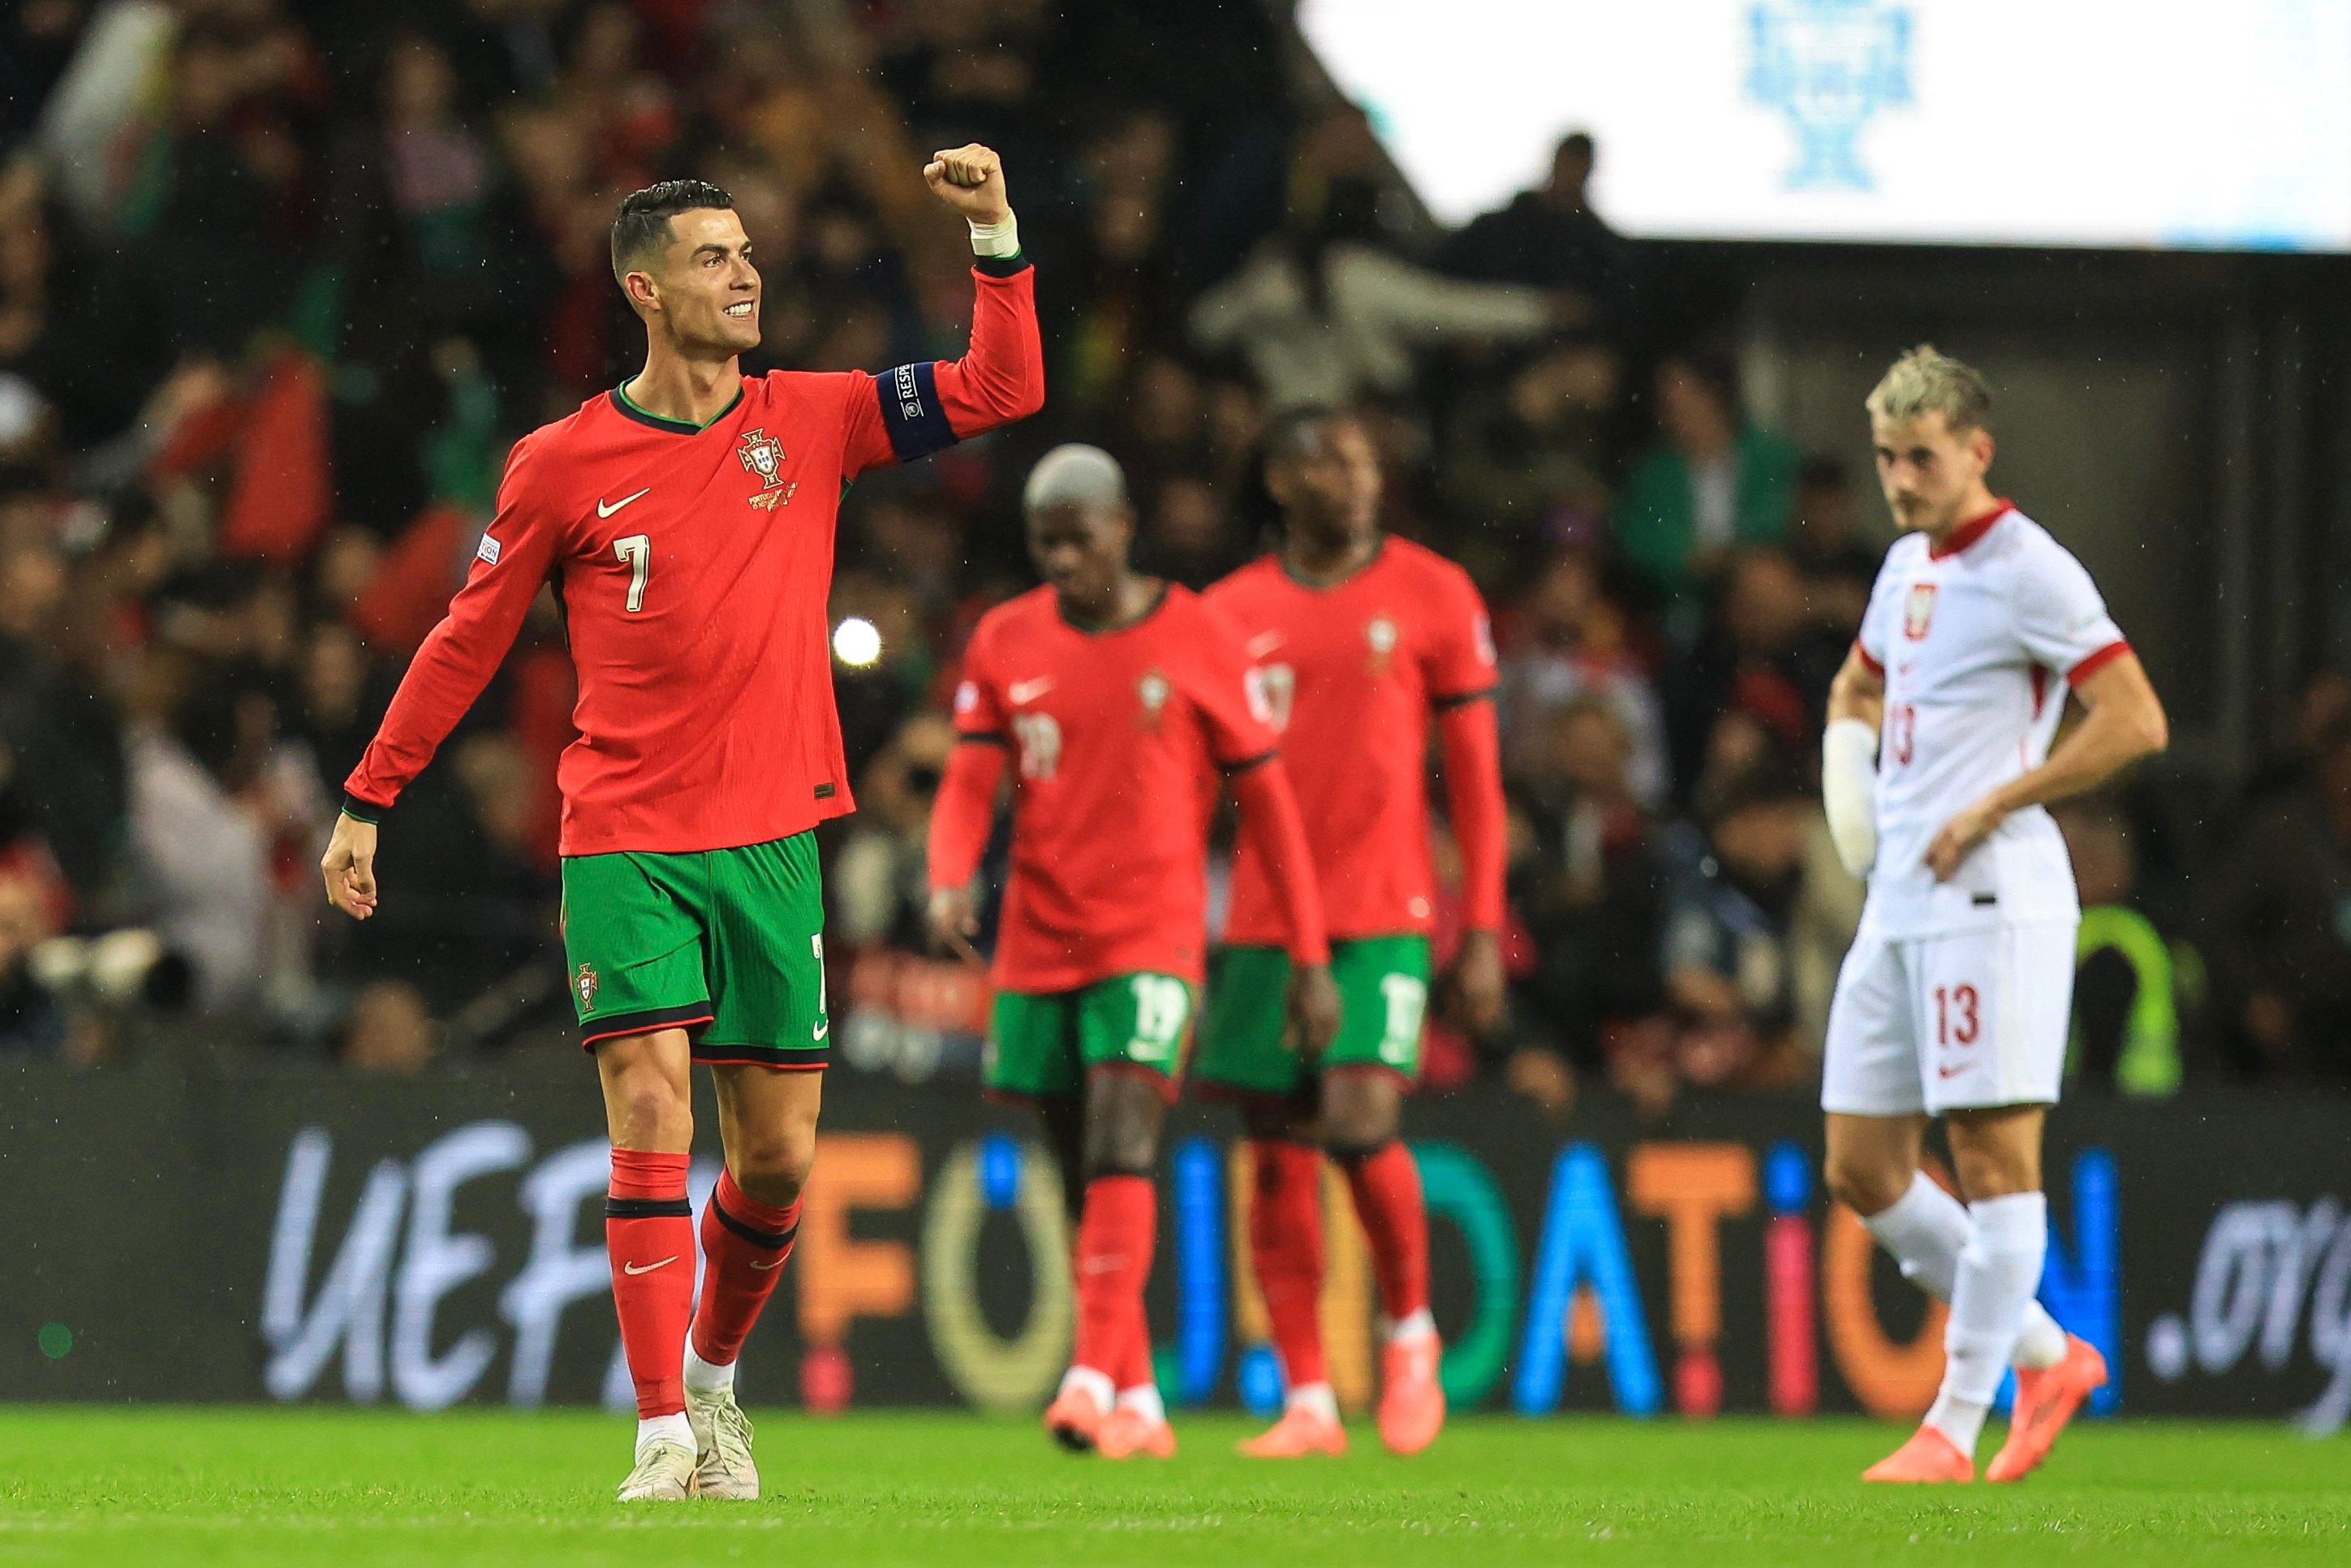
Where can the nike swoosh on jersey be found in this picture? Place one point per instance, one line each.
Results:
(1264, 643)
(1028, 691)
(604, 510)
(648, 1268)
(764, 1268)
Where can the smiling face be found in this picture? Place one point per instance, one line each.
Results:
(700, 291)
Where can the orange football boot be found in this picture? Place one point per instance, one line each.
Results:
(1075, 1420)
(1129, 1432)
(2046, 1398)
(1412, 1400)
(1928, 1458)
(1299, 1433)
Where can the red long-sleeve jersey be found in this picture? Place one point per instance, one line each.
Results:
(692, 567)
(1113, 733)
(1355, 672)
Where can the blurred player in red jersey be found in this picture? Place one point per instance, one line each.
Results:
(685, 519)
(1116, 695)
(1365, 642)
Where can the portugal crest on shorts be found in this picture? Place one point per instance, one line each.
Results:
(585, 984)
(1918, 610)
(762, 457)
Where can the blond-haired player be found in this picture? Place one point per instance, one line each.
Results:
(1954, 1000)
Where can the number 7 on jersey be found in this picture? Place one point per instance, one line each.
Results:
(636, 553)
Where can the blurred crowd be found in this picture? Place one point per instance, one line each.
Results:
(280, 281)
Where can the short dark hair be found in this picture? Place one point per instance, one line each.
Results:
(641, 227)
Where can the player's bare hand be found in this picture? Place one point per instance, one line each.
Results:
(349, 866)
(1963, 836)
(1478, 982)
(1314, 1008)
(971, 178)
(954, 918)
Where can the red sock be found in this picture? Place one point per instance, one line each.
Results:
(1286, 1247)
(649, 1232)
(1114, 1258)
(1135, 1367)
(1386, 1184)
(744, 1244)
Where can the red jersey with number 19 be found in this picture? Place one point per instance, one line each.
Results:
(1353, 673)
(692, 567)
(1111, 734)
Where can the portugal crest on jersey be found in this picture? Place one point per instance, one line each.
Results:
(1152, 691)
(1380, 633)
(585, 984)
(1918, 610)
(763, 457)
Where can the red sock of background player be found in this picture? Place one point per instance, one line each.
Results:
(1138, 1378)
(744, 1244)
(1386, 1184)
(1115, 1233)
(1286, 1247)
(649, 1233)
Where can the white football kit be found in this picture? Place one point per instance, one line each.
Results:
(1959, 995)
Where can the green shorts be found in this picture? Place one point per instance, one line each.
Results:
(725, 944)
(1382, 997)
(1040, 1045)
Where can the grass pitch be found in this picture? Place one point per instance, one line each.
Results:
(301, 1486)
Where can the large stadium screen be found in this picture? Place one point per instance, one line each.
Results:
(2190, 124)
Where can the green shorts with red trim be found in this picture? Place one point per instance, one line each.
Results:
(1383, 998)
(727, 944)
(1040, 1045)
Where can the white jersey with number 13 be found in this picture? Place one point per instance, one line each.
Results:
(1972, 641)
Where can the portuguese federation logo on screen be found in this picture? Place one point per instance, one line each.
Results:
(1829, 66)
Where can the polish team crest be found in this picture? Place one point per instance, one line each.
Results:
(1918, 610)
(585, 983)
(762, 456)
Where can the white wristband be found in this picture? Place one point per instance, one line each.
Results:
(1849, 791)
(998, 240)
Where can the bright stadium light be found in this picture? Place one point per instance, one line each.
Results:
(857, 642)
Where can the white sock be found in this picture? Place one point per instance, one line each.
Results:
(1923, 1229)
(1410, 1327)
(1097, 1384)
(1144, 1399)
(705, 1377)
(1961, 1420)
(1999, 1268)
(1314, 1397)
(651, 1429)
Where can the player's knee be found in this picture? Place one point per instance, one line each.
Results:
(648, 1112)
(1360, 1112)
(773, 1167)
(1122, 1151)
(1864, 1186)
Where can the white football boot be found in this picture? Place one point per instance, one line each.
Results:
(722, 1435)
(664, 1473)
